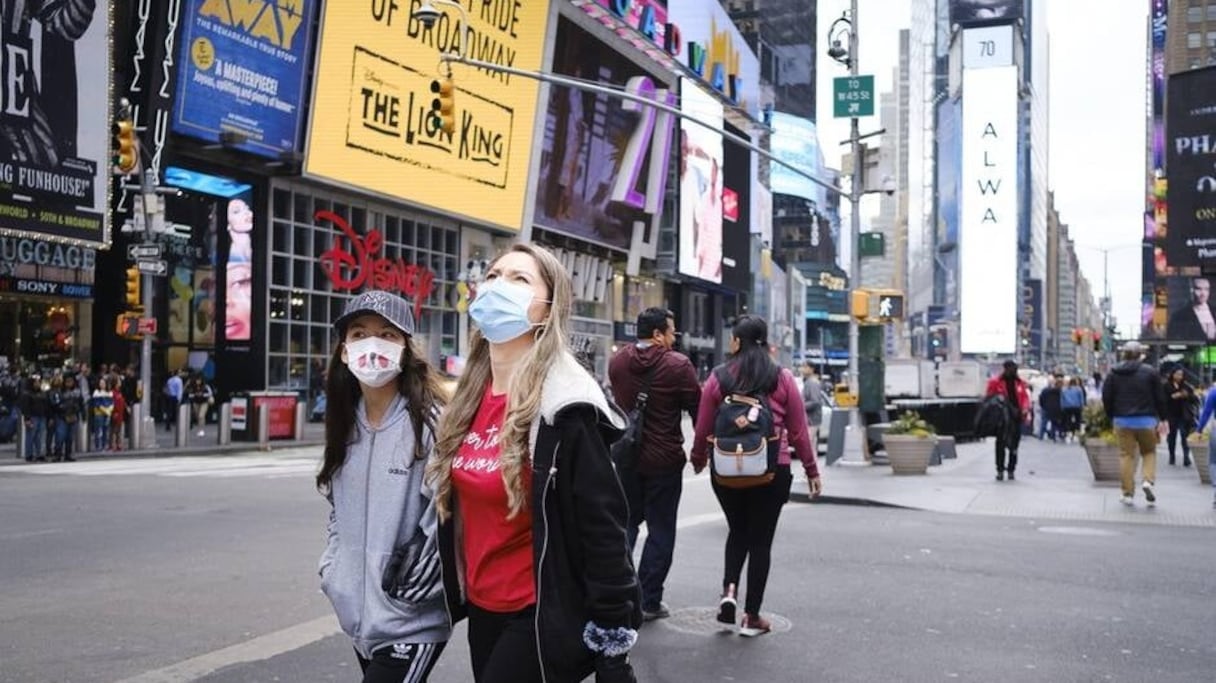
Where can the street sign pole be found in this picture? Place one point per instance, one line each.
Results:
(147, 430)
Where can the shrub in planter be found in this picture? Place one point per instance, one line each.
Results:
(909, 442)
(1101, 447)
(1201, 452)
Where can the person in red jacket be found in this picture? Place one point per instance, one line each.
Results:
(1017, 398)
(660, 477)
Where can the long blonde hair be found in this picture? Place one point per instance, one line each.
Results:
(523, 391)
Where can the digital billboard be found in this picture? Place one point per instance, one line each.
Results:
(988, 220)
(716, 51)
(700, 184)
(374, 124)
(55, 121)
(1191, 164)
(795, 141)
(965, 12)
(1192, 313)
(242, 71)
(603, 161)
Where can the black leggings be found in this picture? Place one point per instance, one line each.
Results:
(503, 645)
(751, 516)
(1008, 441)
(401, 663)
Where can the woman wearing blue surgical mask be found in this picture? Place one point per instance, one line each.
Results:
(532, 516)
(380, 568)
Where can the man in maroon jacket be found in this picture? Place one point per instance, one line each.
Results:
(673, 390)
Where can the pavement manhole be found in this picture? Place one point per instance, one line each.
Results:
(702, 621)
(1078, 531)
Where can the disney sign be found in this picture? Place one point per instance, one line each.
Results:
(359, 265)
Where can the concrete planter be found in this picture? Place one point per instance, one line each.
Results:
(1103, 459)
(909, 454)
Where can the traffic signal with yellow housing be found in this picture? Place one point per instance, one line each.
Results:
(443, 106)
(859, 304)
(134, 294)
(126, 152)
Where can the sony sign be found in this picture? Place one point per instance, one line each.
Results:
(988, 258)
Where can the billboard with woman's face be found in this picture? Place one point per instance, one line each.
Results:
(238, 323)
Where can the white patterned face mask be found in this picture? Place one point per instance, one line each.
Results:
(374, 361)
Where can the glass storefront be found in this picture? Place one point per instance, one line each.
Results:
(46, 310)
(326, 246)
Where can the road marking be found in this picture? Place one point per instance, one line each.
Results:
(225, 466)
(255, 650)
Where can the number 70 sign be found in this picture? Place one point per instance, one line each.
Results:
(852, 96)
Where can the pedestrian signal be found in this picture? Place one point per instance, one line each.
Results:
(443, 107)
(859, 304)
(134, 294)
(126, 153)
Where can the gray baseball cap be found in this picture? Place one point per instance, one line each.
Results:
(391, 307)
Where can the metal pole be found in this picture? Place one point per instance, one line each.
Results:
(855, 204)
(147, 430)
(620, 94)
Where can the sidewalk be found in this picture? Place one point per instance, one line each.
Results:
(1054, 482)
(207, 444)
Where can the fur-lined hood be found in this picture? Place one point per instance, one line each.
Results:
(569, 384)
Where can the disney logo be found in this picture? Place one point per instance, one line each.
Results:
(349, 271)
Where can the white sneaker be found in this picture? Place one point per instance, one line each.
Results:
(1148, 493)
(1126, 500)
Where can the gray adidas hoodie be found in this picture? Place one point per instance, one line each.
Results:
(379, 500)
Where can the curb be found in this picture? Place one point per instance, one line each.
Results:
(170, 452)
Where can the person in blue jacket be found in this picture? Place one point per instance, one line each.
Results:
(1209, 410)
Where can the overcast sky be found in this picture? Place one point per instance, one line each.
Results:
(1097, 110)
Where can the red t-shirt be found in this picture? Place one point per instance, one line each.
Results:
(497, 550)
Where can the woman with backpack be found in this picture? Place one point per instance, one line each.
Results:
(1181, 404)
(750, 404)
(380, 568)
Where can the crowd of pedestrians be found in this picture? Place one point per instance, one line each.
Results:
(54, 403)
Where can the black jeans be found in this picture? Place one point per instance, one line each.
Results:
(401, 663)
(1183, 427)
(660, 508)
(1009, 442)
(503, 645)
(751, 517)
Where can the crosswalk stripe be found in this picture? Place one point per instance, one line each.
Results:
(215, 467)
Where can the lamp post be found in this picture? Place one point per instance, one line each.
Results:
(847, 24)
(428, 14)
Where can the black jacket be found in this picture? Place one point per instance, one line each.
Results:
(1182, 409)
(1134, 389)
(580, 554)
(673, 390)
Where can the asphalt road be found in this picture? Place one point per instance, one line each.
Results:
(203, 569)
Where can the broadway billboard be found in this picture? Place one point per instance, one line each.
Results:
(1191, 166)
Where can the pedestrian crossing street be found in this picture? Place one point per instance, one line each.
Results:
(287, 463)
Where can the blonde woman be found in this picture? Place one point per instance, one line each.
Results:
(532, 516)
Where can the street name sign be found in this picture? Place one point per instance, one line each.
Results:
(136, 252)
(852, 96)
(152, 267)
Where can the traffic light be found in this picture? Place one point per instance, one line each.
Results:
(126, 155)
(443, 107)
(859, 304)
(134, 294)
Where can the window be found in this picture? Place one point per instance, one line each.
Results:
(1194, 41)
(1194, 15)
(1212, 39)
(1211, 12)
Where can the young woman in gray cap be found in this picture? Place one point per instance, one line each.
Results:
(380, 568)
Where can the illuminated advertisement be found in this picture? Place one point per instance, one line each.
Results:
(714, 50)
(1192, 312)
(55, 127)
(795, 141)
(238, 309)
(242, 71)
(375, 123)
(603, 161)
(1191, 160)
(988, 290)
(979, 11)
(700, 184)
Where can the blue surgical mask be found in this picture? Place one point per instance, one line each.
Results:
(500, 310)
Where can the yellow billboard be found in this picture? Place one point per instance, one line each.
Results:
(375, 122)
